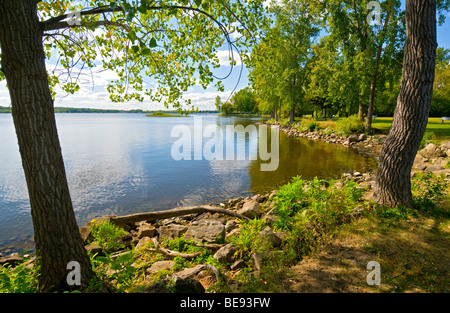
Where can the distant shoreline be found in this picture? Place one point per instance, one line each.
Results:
(88, 110)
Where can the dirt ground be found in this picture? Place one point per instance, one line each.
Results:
(413, 254)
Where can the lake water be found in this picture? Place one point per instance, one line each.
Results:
(124, 163)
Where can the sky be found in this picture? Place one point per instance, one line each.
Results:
(97, 97)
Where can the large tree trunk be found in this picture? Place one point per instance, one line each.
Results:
(413, 105)
(56, 234)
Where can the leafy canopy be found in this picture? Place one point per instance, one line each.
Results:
(154, 50)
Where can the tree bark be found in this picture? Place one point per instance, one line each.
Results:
(373, 85)
(413, 105)
(56, 234)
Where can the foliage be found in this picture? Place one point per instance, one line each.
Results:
(107, 235)
(428, 189)
(279, 63)
(349, 125)
(244, 101)
(172, 42)
(311, 212)
(118, 271)
(19, 279)
(249, 240)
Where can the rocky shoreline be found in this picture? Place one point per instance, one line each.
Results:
(433, 158)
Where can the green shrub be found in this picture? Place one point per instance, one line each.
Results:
(19, 279)
(427, 189)
(350, 125)
(428, 136)
(107, 235)
(311, 212)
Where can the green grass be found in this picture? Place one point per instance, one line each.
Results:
(435, 126)
(161, 114)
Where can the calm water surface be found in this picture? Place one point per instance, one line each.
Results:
(122, 164)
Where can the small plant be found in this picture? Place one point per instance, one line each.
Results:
(19, 279)
(350, 125)
(428, 136)
(108, 235)
(119, 271)
(427, 189)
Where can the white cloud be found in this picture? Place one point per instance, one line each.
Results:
(226, 57)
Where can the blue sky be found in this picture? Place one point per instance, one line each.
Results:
(98, 97)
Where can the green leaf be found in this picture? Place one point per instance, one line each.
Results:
(135, 49)
(153, 43)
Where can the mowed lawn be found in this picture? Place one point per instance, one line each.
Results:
(435, 127)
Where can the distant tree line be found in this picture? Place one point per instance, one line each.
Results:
(328, 58)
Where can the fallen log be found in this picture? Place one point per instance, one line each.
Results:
(159, 215)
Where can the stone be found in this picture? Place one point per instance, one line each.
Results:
(234, 233)
(238, 265)
(187, 285)
(85, 232)
(141, 243)
(230, 225)
(146, 230)
(434, 168)
(226, 253)
(448, 153)
(12, 259)
(250, 209)
(205, 230)
(428, 151)
(362, 137)
(268, 234)
(171, 231)
(93, 248)
(161, 266)
(158, 287)
(353, 138)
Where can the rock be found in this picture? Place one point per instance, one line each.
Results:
(146, 230)
(206, 230)
(141, 243)
(448, 153)
(428, 151)
(268, 234)
(230, 225)
(362, 137)
(234, 233)
(187, 285)
(238, 265)
(93, 248)
(440, 153)
(159, 287)
(171, 231)
(353, 138)
(226, 253)
(12, 259)
(161, 265)
(250, 209)
(434, 168)
(85, 232)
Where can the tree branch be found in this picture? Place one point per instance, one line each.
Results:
(159, 215)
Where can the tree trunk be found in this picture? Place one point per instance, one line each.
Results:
(373, 85)
(361, 110)
(292, 116)
(413, 105)
(56, 233)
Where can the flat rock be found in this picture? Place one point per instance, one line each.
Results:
(161, 265)
(206, 230)
(251, 209)
(171, 231)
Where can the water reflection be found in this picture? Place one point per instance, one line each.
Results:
(122, 164)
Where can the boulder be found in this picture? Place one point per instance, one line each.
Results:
(353, 138)
(161, 265)
(146, 230)
(428, 151)
(12, 259)
(268, 234)
(238, 265)
(250, 209)
(171, 231)
(141, 243)
(187, 285)
(226, 253)
(362, 137)
(205, 230)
